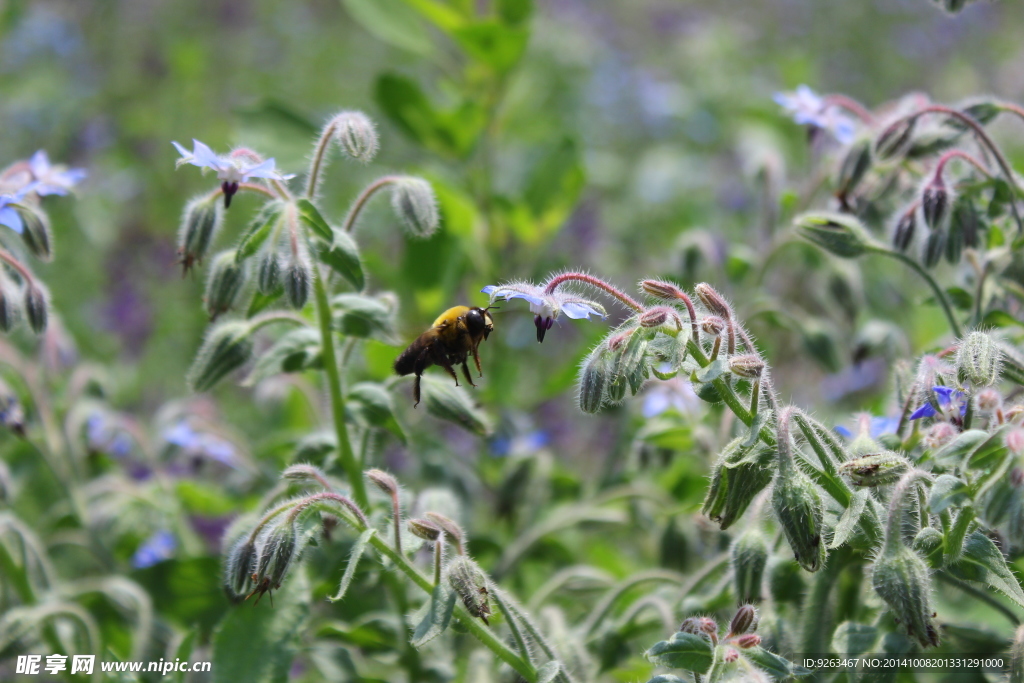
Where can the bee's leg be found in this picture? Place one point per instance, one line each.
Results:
(446, 364)
(416, 390)
(465, 372)
(476, 359)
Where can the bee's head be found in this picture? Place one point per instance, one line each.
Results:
(479, 321)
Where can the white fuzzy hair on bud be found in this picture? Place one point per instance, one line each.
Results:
(414, 203)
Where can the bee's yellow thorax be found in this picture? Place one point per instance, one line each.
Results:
(450, 315)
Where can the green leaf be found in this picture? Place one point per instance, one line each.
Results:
(947, 490)
(342, 255)
(298, 350)
(514, 12)
(393, 22)
(712, 371)
(353, 561)
(440, 14)
(257, 644)
(184, 653)
(452, 403)
(374, 406)
(497, 45)
(259, 229)
(851, 638)
(964, 443)
(1000, 319)
(262, 301)
(960, 298)
(437, 617)
(356, 315)
(989, 452)
(849, 521)
(981, 561)
(451, 132)
(310, 215)
(683, 651)
(553, 188)
(776, 667)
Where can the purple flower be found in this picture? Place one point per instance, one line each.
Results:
(522, 444)
(944, 396)
(185, 437)
(871, 425)
(103, 435)
(238, 167)
(50, 179)
(807, 108)
(157, 548)
(546, 306)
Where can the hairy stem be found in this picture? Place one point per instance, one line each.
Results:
(936, 290)
(597, 283)
(364, 196)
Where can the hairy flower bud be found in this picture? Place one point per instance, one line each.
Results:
(227, 347)
(654, 317)
(662, 289)
(275, 554)
(1014, 441)
(747, 641)
(939, 434)
(901, 579)
(740, 473)
(935, 203)
(199, 224)
(471, 585)
(798, 506)
(903, 235)
(744, 621)
(414, 202)
(712, 325)
(934, 247)
(749, 555)
(714, 301)
(9, 311)
(893, 140)
(239, 566)
(224, 284)
(978, 359)
(593, 380)
(37, 306)
(966, 222)
(929, 544)
(425, 529)
(749, 366)
(855, 164)
(839, 234)
(296, 283)
(36, 232)
(355, 134)
(876, 469)
(701, 626)
(268, 274)
(452, 531)
(384, 481)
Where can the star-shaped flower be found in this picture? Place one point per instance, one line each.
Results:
(806, 107)
(238, 167)
(944, 396)
(546, 306)
(52, 179)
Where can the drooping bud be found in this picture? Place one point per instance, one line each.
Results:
(749, 555)
(855, 164)
(305, 472)
(744, 621)
(901, 579)
(797, 503)
(9, 311)
(749, 366)
(268, 277)
(199, 224)
(227, 347)
(296, 283)
(747, 641)
(414, 202)
(452, 531)
(966, 221)
(471, 585)
(701, 626)
(36, 233)
(712, 325)
(384, 481)
(893, 140)
(978, 360)
(593, 380)
(740, 473)
(839, 234)
(425, 529)
(356, 135)
(934, 247)
(654, 317)
(903, 235)
(935, 203)
(876, 469)
(714, 301)
(36, 306)
(275, 554)
(239, 566)
(662, 289)
(224, 284)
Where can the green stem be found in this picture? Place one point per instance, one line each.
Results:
(729, 396)
(364, 196)
(939, 294)
(990, 600)
(513, 625)
(345, 454)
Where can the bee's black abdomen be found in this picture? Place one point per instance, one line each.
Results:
(405, 364)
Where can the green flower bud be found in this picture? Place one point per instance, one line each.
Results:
(425, 529)
(797, 503)
(593, 380)
(227, 347)
(906, 226)
(740, 474)
(471, 585)
(934, 247)
(224, 284)
(36, 306)
(894, 139)
(838, 234)
(876, 469)
(268, 277)
(978, 360)
(855, 164)
(414, 203)
(296, 283)
(239, 567)
(749, 366)
(9, 311)
(199, 225)
(36, 233)
(749, 558)
(276, 551)
(966, 222)
(901, 579)
(355, 134)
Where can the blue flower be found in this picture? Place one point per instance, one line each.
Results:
(944, 396)
(873, 425)
(546, 306)
(103, 435)
(9, 216)
(233, 169)
(50, 179)
(674, 393)
(157, 548)
(807, 108)
(185, 437)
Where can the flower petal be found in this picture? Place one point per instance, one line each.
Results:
(843, 431)
(39, 163)
(946, 394)
(264, 170)
(11, 219)
(927, 410)
(505, 292)
(578, 310)
(204, 156)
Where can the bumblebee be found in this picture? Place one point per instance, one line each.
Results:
(454, 335)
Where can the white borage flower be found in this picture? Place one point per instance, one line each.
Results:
(237, 167)
(546, 306)
(808, 108)
(50, 178)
